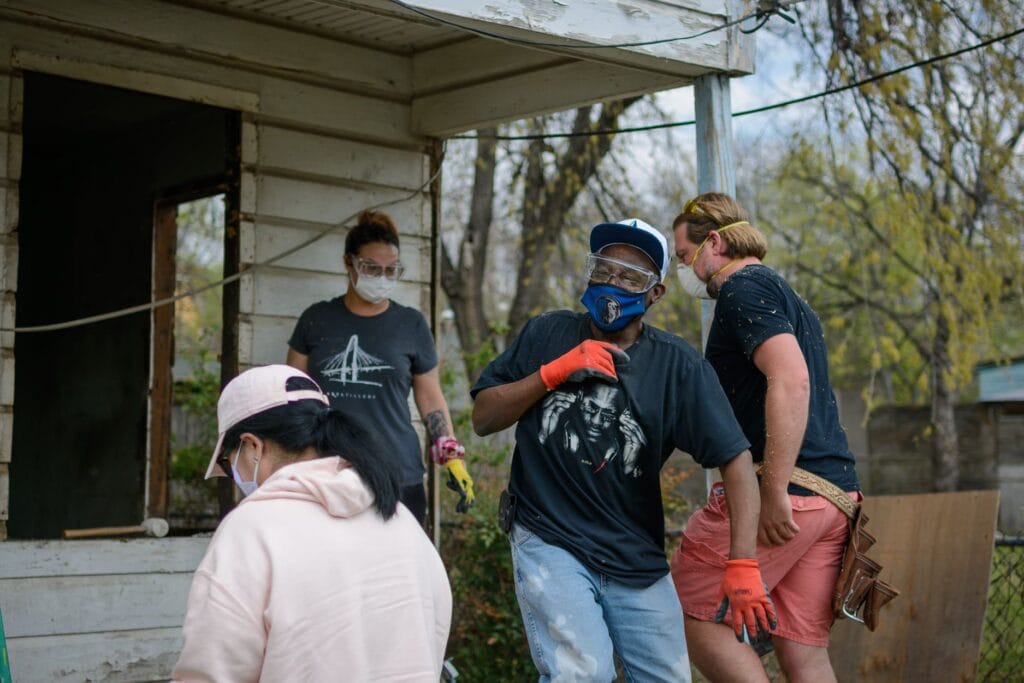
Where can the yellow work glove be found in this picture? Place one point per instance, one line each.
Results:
(448, 452)
(460, 482)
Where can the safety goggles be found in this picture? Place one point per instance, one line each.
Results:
(633, 279)
(694, 207)
(374, 269)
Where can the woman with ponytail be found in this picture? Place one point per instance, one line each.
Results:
(368, 351)
(318, 574)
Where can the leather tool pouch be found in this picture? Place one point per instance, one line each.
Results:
(859, 594)
(506, 511)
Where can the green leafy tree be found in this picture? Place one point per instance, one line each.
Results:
(927, 230)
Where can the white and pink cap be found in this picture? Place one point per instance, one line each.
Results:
(252, 392)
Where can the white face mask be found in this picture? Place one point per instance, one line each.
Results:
(247, 487)
(692, 284)
(374, 289)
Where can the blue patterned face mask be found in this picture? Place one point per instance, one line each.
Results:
(612, 308)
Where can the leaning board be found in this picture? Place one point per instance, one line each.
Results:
(936, 548)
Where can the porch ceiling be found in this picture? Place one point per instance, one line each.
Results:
(460, 79)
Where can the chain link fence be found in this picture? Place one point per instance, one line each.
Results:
(1002, 643)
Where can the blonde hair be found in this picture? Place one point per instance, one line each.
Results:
(714, 211)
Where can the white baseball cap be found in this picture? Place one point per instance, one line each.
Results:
(251, 393)
(635, 233)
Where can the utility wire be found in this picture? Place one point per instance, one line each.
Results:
(78, 322)
(762, 14)
(756, 110)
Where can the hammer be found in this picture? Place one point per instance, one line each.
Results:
(151, 526)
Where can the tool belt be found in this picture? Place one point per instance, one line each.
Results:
(859, 593)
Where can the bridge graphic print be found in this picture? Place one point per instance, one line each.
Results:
(349, 366)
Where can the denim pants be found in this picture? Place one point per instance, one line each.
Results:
(575, 617)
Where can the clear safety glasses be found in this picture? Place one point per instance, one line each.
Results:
(633, 279)
(374, 269)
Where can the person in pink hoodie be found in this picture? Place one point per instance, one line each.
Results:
(319, 574)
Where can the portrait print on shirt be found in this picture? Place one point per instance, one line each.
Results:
(594, 424)
(353, 366)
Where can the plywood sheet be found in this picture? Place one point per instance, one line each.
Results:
(143, 655)
(937, 550)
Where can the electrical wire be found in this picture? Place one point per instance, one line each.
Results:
(762, 14)
(757, 110)
(121, 312)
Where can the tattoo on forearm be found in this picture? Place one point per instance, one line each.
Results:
(436, 425)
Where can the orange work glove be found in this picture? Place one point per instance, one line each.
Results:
(753, 614)
(590, 358)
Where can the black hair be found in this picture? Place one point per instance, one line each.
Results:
(296, 426)
(371, 226)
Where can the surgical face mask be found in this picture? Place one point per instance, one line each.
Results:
(612, 308)
(374, 289)
(247, 487)
(691, 284)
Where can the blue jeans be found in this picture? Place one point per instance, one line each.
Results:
(575, 618)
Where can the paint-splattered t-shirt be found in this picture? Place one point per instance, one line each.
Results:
(365, 367)
(755, 304)
(588, 455)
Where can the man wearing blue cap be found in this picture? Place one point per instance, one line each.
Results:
(601, 400)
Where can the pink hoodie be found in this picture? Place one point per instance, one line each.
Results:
(304, 581)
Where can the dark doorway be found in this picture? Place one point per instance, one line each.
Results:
(97, 160)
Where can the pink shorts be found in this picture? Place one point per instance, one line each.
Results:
(800, 575)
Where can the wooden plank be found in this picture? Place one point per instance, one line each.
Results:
(8, 306)
(165, 248)
(598, 22)
(14, 146)
(6, 376)
(479, 60)
(325, 255)
(937, 550)
(339, 158)
(6, 432)
(5, 490)
(556, 89)
(279, 100)
(5, 89)
(133, 79)
(91, 604)
(9, 256)
(176, 28)
(120, 656)
(22, 559)
(268, 336)
(331, 204)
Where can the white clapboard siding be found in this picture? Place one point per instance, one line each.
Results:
(260, 46)
(319, 202)
(555, 89)
(112, 657)
(277, 99)
(85, 604)
(267, 337)
(333, 157)
(267, 239)
(479, 60)
(95, 610)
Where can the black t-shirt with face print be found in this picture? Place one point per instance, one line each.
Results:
(754, 305)
(365, 367)
(588, 455)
